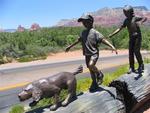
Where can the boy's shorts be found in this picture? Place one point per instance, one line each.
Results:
(90, 58)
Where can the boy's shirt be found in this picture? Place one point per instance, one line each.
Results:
(132, 26)
(89, 40)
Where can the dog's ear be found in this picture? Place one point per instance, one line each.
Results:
(28, 88)
(36, 94)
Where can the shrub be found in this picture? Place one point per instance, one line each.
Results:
(46, 40)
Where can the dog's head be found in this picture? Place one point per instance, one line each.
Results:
(26, 93)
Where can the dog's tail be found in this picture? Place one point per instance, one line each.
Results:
(78, 70)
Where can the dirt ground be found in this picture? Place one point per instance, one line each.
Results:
(147, 111)
(61, 57)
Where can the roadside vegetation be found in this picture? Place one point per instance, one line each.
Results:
(17, 109)
(33, 45)
(82, 86)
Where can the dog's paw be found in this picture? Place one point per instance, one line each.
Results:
(67, 101)
(64, 103)
(53, 107)
(32, 103)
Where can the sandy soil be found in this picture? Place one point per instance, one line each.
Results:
(61, 57)
(148, 111)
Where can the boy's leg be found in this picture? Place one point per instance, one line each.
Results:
(100, 77)
(131, 56)
(87, 59)
(138, 54)
(99, 74)
(94, 84)
(92, 63)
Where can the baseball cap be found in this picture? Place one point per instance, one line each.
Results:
(86, 17)
(128, 8)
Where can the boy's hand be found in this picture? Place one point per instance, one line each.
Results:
(140, 23)
(67, 49)
(110, 35)
(114, 49)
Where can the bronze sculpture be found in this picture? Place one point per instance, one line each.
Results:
(90, 40)
(135, 37)
(51, 86)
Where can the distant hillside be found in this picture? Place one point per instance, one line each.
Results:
(10, 30)
(108, 16)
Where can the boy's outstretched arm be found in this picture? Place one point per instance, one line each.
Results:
(104, 41)
(144, 19)
(115, 32)
(70, 46)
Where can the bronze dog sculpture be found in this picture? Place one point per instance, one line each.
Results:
(51, 86)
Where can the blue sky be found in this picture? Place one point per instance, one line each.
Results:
(49, 12)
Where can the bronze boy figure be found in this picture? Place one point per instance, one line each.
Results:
(90, 38)
(135, 37)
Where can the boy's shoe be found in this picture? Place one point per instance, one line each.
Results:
(141, 68)
(100, 77)
(93, 88)
(131, 70)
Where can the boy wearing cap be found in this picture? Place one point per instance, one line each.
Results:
(90, 38)
(135, 37)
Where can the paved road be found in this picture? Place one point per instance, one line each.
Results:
(13, 77)
(19, 76)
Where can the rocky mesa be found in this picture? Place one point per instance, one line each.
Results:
(108, 17)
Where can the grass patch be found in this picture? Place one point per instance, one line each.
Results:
(49, 101)
(83, 84)
(108, 77)
(17, 109)
(146, 60)
(28, 58)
